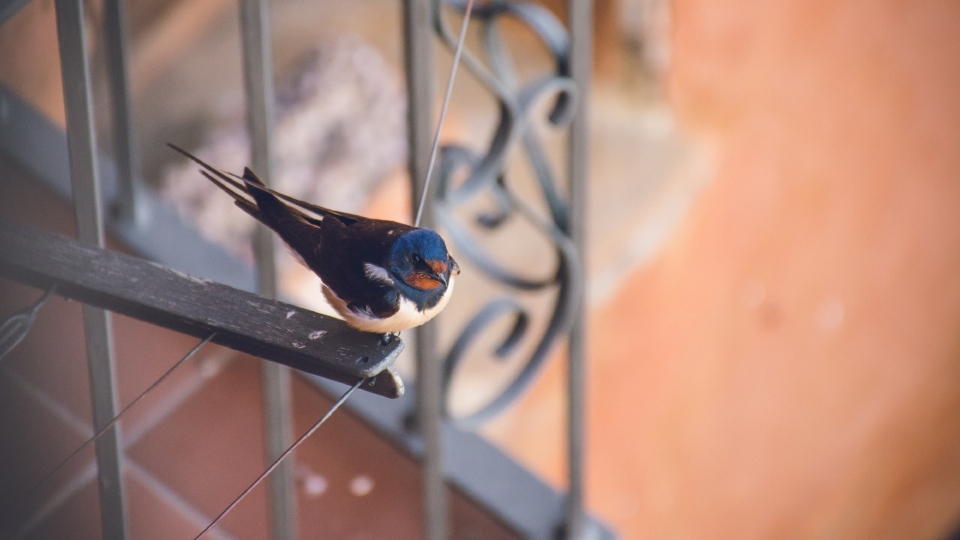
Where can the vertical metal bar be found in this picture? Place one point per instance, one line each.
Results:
(127, 206)
(580, 23)
(276, 383)
(81, 142)
(278, 433)
(418, 57)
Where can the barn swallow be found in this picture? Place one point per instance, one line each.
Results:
(380, 276)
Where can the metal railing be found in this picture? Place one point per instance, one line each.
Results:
(441, 441)
(486, 175)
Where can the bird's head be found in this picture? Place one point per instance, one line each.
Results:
(419, 260)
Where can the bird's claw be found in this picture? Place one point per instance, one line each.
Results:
(388, 338)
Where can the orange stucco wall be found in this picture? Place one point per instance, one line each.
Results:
(789, 367)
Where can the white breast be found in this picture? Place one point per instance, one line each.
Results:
(406, 317)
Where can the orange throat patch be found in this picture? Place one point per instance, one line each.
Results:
(422, 282)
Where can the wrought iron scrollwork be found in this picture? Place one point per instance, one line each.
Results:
(485, 174)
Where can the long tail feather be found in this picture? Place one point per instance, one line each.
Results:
(298, 230)
(237, 190)
(222, 176)
(244, 203)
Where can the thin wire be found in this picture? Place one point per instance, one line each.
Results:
(117, 417)
(14, 329)
(276, 463)
(443, 111)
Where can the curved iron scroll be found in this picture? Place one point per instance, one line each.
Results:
(485, 174)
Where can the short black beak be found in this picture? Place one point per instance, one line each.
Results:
(441, 278)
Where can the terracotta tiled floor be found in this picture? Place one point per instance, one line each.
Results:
(34, 440)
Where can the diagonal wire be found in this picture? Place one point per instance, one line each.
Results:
(14, 329)
(117, 417)
(276, 463)
(443, 111)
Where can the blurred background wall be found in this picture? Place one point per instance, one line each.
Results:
(788, 365)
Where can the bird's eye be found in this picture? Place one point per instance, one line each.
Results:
(416, 258)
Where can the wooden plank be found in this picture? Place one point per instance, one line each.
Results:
(243, 321)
